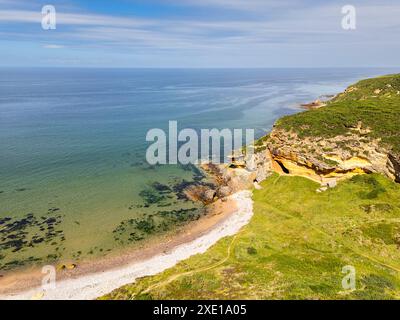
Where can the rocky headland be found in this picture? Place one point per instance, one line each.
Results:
(302, 234)
(356, 132)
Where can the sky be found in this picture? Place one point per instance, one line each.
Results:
(200, 34)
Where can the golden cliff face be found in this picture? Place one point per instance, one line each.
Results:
(322, 159)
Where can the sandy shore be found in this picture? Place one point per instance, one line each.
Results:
(95, 279)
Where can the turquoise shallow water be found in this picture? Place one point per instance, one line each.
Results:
(73, 179)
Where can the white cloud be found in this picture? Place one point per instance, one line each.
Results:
(308, 28)
(240, 5)
(53, 46)
(72, 19)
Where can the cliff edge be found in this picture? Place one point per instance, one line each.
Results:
(358, 131)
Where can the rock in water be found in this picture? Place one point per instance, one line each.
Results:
(208, 196)
(224, 191)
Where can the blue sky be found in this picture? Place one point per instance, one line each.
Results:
(200, 33)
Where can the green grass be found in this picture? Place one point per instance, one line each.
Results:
(376, 111)
(295, 247)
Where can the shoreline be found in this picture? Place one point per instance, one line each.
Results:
(208, 230)
(97, 277)
(92, 280)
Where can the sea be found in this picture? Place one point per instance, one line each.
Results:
(74, 180)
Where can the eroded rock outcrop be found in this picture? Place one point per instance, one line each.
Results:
(322, 159)
(260, 162)
(232, 177)
(394, 166)
(357, 131)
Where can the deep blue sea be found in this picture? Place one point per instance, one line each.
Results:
(73, 180)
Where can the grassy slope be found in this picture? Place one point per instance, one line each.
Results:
(295, 247)
(377, 111)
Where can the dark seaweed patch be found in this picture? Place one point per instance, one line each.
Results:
(151, 197)
(180, 187)
(156, 194)
(146, 226)
(137, 229)
(20, 263)
(162, 188)
(4, 220)
(180, 215)
(198, 175)
(77, 254)
(19, 234)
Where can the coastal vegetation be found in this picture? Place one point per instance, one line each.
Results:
(373, 103)
(295, 247)
(333, 206)
(358, 131)
(303, 237)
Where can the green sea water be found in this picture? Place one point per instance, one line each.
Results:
(74, 182)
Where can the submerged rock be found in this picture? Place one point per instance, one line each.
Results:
(200, 192)
(224, 191)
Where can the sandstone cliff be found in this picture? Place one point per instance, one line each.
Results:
(356, 132)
